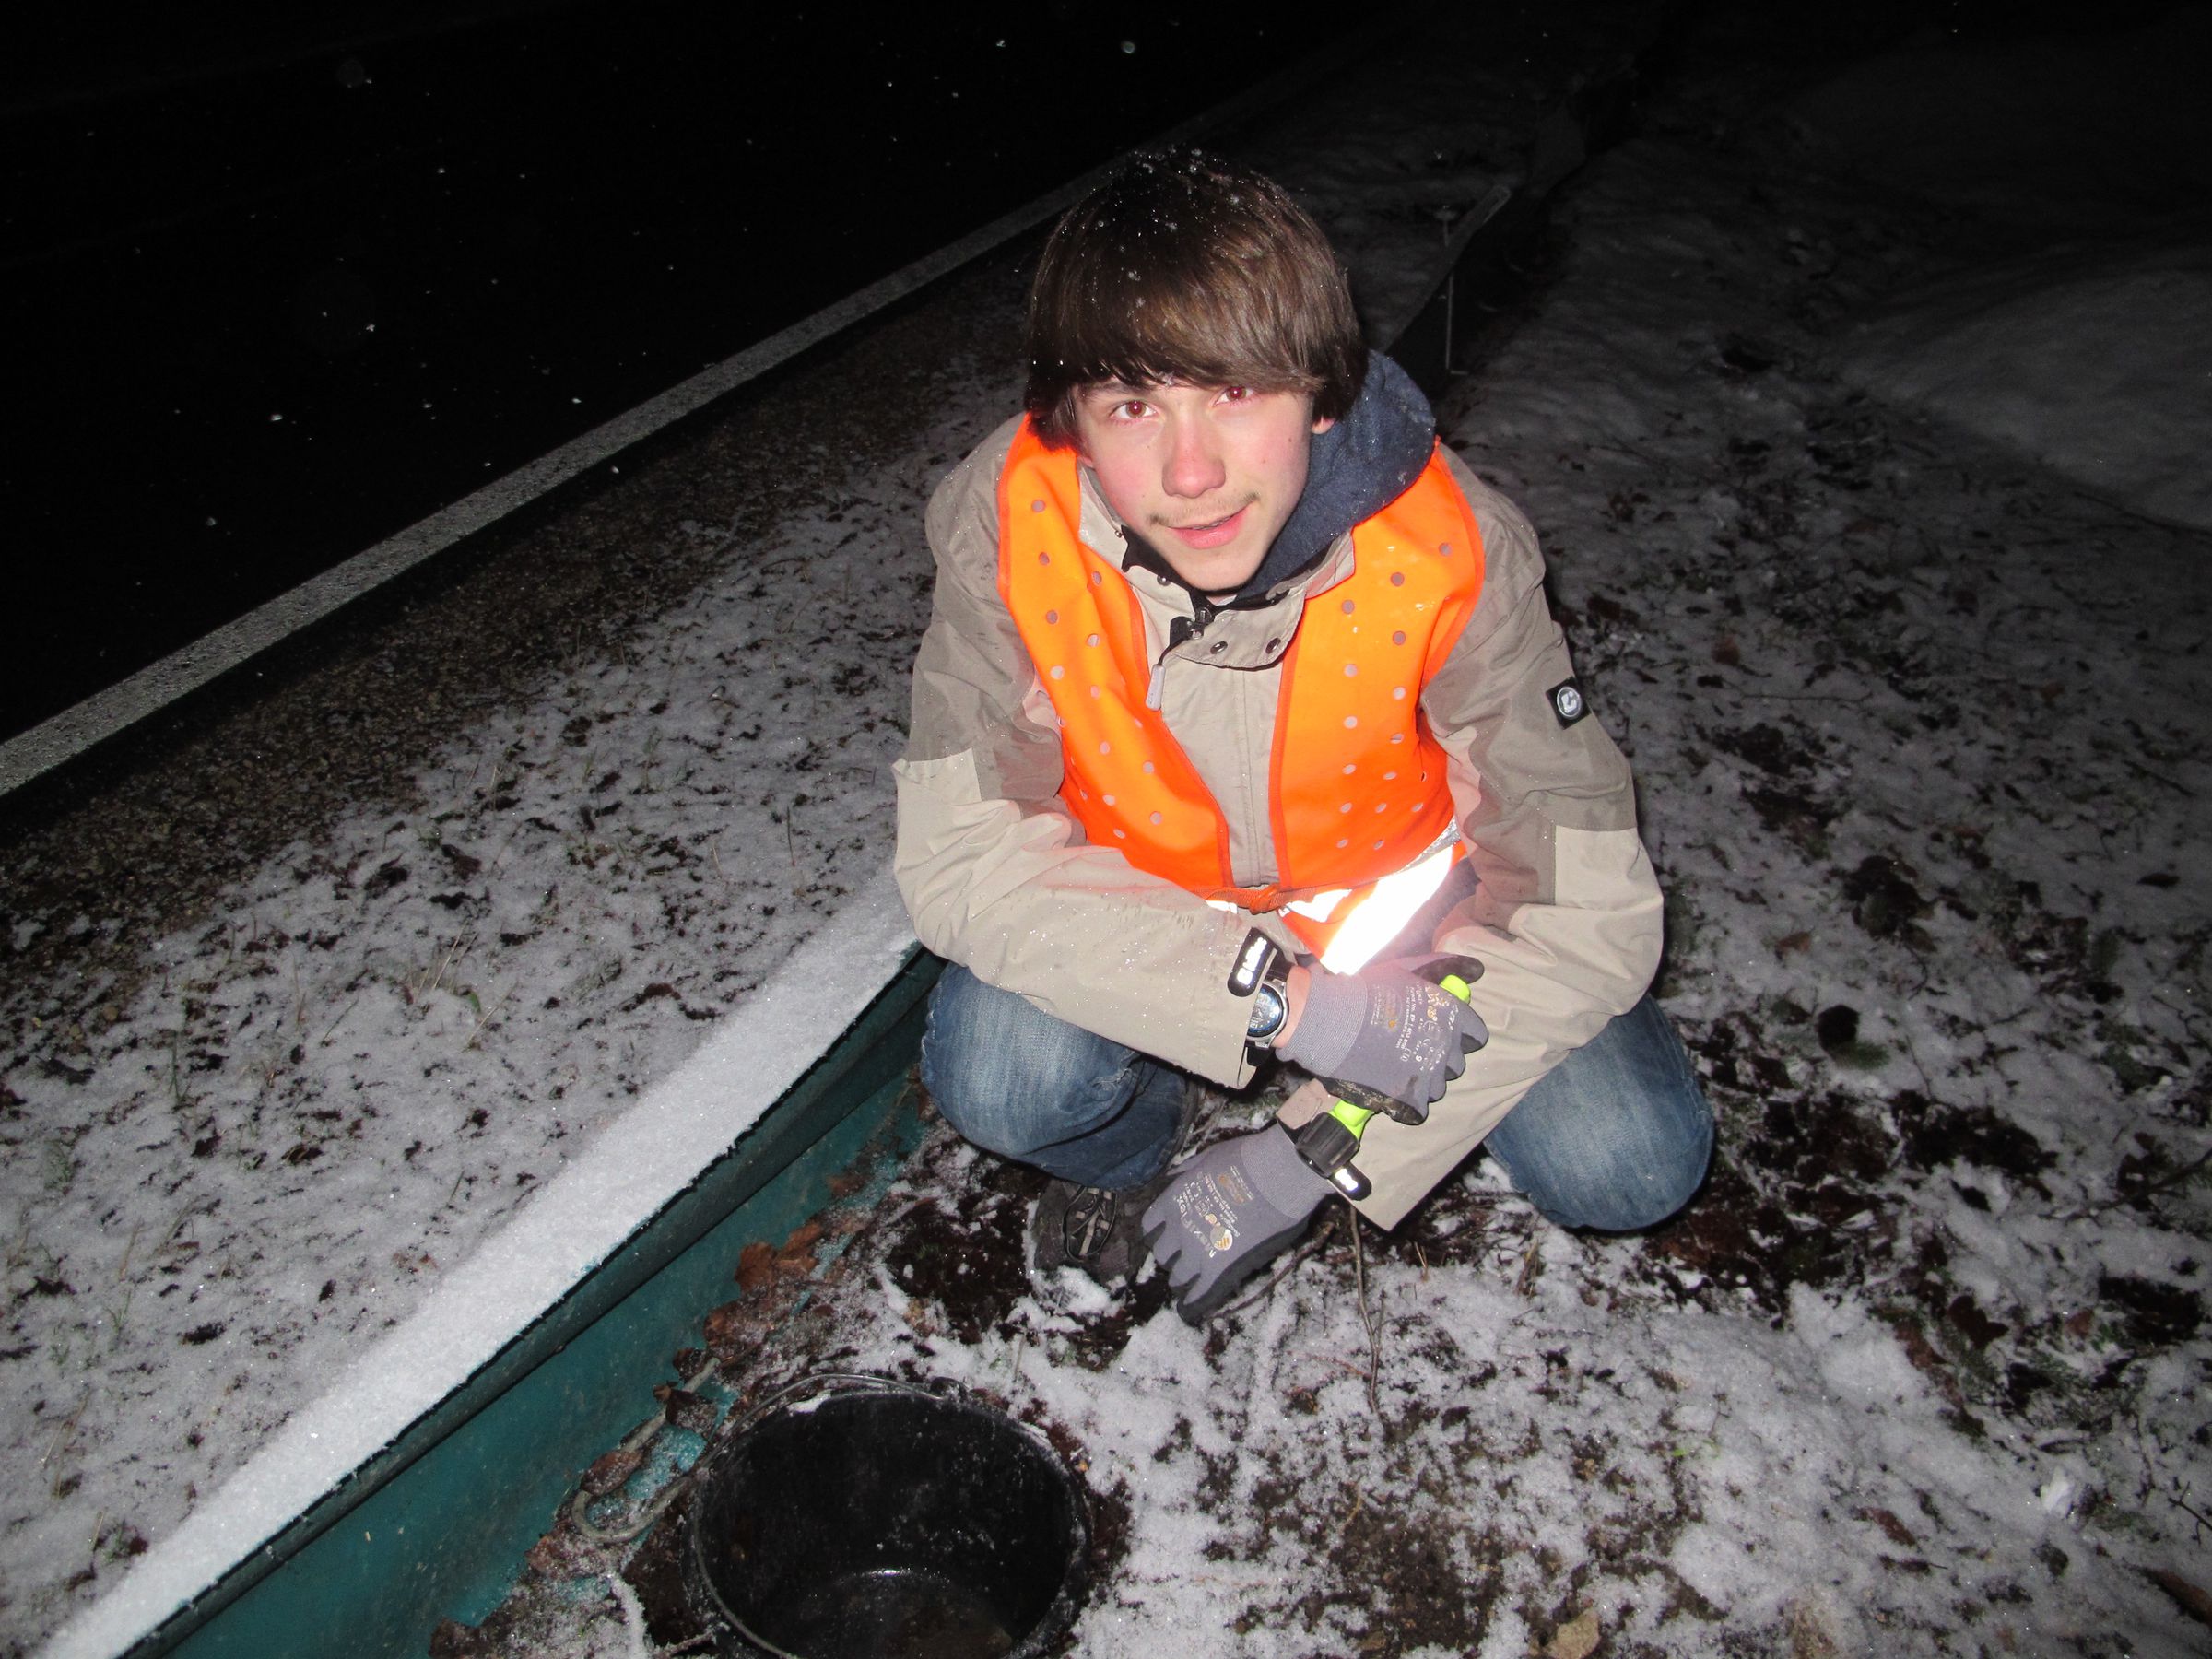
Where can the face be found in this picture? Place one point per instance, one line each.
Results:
(1207, 475)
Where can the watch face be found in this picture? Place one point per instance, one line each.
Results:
(1268, 1010)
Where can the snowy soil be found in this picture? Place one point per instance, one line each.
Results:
(238, 1154)
(2078, 327)
(1919, 733)
(2094, 359)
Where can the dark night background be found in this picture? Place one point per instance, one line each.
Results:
(287, 281)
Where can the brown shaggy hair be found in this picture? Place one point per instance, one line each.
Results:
(1185, 266)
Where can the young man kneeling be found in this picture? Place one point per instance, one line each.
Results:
(1241, 726)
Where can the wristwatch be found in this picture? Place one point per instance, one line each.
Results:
(1268, 1011)
(1260, 969)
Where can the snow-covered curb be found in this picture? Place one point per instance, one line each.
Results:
(646, 1160)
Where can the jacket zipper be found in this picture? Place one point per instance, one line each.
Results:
(1182, 631)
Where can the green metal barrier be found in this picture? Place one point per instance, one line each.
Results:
(436, 1525)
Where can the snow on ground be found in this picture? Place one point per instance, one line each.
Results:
(2082, 336)
(580, 1218)
(2095, 360)
(220, 1188)
(225, 1182)
(1918, 728)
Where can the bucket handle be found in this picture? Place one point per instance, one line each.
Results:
(857, 1382)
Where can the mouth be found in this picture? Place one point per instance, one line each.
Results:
(1214, 532)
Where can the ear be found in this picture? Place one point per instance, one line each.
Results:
(1324, 424)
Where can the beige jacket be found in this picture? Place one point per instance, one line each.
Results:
(997, 874)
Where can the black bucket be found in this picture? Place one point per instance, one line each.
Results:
(882, 1520)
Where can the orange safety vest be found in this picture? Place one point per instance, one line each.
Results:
(1358, 787)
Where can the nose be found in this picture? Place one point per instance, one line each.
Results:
(1193, 460)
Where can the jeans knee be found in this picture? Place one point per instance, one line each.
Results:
(1654, 1196)
(990, 1121)
(990, 1105)
(1638, 1199)
(1008, 1076)
(1620, 1185)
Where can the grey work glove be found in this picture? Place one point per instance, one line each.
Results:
(1227, 1213)
(1388, 1030)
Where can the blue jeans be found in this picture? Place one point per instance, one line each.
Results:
(1616, 1137)
(1017, 1081)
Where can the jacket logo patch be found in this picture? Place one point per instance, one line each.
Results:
(1568, 704)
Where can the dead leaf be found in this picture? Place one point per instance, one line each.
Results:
(2186, 1595)
(728, 1327)
(1922, 1353)
(1790, 944)
(1727, 652)
(611, 1470)
(1577, 1639)
(1971, 1323)
(553, 1556)
(757, 1267)
(1898, 1533)
(797, 1254)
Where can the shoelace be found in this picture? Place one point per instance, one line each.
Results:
(1092, 1218)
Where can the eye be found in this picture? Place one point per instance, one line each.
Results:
(1236, 394)
(1130, 408)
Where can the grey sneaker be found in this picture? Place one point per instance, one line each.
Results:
(1091, 1228)
(1097, 1230)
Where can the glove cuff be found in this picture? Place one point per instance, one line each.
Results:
(1280, 1176)
(1334, 1012)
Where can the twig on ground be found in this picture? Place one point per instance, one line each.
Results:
(2190, 1510)
(1528, 1269)
(2172, 1177)
(484, 1019)
(1321, 1237)
(339, 1021)
(2180, 789)
(1816, 697)
(67, 1432)
(439, 978)
(1367, 1319)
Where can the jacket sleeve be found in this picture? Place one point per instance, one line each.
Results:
(995, 873)
(1565, 916)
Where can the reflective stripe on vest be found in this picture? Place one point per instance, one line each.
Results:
(1357, 787)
